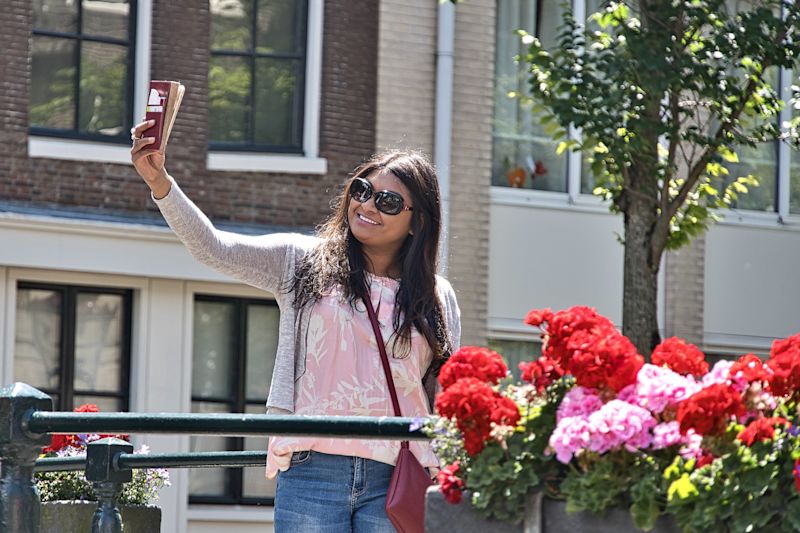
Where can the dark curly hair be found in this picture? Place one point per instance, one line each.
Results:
(339, 259)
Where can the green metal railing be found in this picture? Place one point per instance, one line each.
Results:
(27, 421)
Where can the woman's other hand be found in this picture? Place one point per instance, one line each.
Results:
(149, 164)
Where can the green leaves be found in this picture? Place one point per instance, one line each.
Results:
(692, 76)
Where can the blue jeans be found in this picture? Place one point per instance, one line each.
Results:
(324, 493)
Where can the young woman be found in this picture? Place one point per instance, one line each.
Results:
(381, 243)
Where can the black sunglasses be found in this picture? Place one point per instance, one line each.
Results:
(388, 202)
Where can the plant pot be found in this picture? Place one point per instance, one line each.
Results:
(61, 516)
(543, 516)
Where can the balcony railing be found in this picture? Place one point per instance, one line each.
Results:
(27, 421)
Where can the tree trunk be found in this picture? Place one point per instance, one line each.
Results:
(640, 280)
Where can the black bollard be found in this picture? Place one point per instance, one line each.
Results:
(20, 508)
(107, 480)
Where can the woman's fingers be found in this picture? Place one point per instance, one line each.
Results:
(141, 144)
(138, 129)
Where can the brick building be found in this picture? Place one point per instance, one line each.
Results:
(100, 303)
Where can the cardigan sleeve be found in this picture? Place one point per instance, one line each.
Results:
(263, 261)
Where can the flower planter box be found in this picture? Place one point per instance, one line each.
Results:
(544, 516)
(76, 516)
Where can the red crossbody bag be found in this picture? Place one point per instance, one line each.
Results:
(405, 499)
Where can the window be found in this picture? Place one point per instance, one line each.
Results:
(82, 69)
(234, 345)
(73, 343)
(256, 75)
(523, 154)
(515, 352)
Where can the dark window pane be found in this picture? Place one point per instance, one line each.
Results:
(52, 101)
(214, 363)
(208, 481)
(37, 338)
(523, 154)
(516, 352)
(276, 25)
(98, 342)
(256, 484)
(231, 27)
(276, 82)
(55, 15)
(103, 403)
(106, 18)
(228, 98)
(262, 344)
(103, 68)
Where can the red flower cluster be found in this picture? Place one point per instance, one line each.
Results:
(784, 362)
(680, 356)
(709, 410)
(761, 429)
(475, 406)
(541, 372)
(588, 346)
(796, 475)
(449, 483)
(473, 362)
(59, 442)
(750, 368)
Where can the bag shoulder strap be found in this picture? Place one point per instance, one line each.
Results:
(387, 370)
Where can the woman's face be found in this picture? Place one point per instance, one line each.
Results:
(376, 230)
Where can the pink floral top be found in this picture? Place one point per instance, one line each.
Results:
(344, 377)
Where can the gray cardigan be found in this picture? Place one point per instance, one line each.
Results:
(268, 262)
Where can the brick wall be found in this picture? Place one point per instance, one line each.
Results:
(407, 75)
(15, 21)
(684, 294)
(471, 164)
(180, 51)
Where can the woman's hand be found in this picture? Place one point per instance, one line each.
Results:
(149, 163)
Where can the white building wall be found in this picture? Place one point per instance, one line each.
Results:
(553, 257)
(164, 278)
(752, 288)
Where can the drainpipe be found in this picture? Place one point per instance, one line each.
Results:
(443, 121)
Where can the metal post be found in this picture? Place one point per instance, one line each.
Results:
(107, 480)
(20, 508)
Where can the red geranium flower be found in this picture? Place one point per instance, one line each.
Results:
(709, 410)
(450, 484)
(541, 372)
(705, 459)
(588, 346)
(475, 362)
(796, 474)
(602, 358)
(761, 429)
(59, 442)
(475, 406)
(681, 357)
(784, 362)
(750, 368)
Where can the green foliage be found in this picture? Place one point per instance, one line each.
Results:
(744, 489)
(664, 93)
(618, 479)
(503, 475)
(72, 485)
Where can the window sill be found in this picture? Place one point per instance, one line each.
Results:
(74, 150)
(231, 513)
(249, 162)
(546, 199)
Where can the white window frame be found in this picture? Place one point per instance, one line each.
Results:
(573, 199)
(75, 150)
(309, 162)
